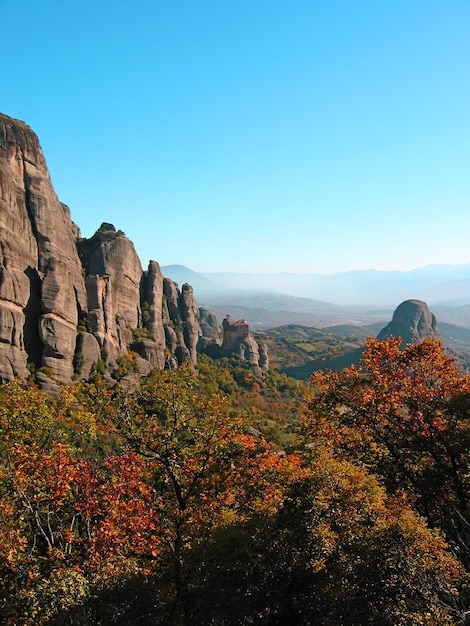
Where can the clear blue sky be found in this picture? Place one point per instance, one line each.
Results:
(253, 135)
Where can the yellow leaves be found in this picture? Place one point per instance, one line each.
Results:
(328, 539)
(228, 517)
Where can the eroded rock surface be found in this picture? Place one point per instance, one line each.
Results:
(152, 316)
(67, 304)
(412, 321)
(209, 325)
(41, 285)
(114, 273)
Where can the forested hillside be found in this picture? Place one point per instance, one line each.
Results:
(299, 350)
(162, 502)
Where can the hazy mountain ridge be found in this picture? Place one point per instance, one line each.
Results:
(270, 300)
(436, 284)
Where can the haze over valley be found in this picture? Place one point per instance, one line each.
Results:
(357, 297)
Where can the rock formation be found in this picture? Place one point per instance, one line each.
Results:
(69, 305)
(42, 291)
(153, 348)
(181, 317)
(263, 357)
(210, 328)
(412, 321)
(237, 339)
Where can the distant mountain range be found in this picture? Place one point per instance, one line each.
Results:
(435, 284)
(356, 297)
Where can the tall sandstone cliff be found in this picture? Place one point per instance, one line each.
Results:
(66, 303)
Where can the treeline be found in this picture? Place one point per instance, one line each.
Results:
(160, 503)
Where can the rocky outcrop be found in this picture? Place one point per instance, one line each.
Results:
(210, 329)
(190, 315)
(70, 306)
(237, 339)
(247, 349)
(109, 253)
(130, 308)
(41, 286)
(87, 355)
(209, 325)
(412, 321)
(181, 315)
(113, 275)
(263, 357)
(152, 316)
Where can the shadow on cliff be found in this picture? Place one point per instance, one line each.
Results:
(32, 311)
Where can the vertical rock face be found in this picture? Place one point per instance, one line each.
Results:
(123, 299)
(67, 304)
(41, 284)
(209, 325)
(190, 315)
(412, 321)
(114, 274)
(263, 357)
(152, 316)
(247, 349)
(111, 254)
(210, 329)
(181, 314)
(89, 350)
(172, 310)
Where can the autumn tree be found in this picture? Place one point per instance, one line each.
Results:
(69, 526)
(157, 503)
(338, 550)
(404, 415)
(204, 466)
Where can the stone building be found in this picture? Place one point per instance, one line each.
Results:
(233, 332)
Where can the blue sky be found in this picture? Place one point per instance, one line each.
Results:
(253, 135)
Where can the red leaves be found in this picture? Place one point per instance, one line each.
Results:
(89, 515)
(128, 519)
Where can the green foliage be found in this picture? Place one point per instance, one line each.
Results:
(206, 469)
(84, 325)
(294, 346)
(145, 312)
(44, 369)
(271, 403)
(100, 367)
(78, 362)
(125, 365)
(140, 334)
(337, 551)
